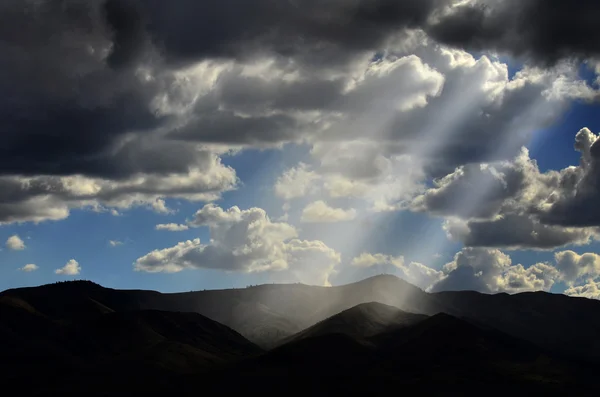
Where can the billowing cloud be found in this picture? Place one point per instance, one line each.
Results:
(542, 30)
(591, 290)
(42, 198)
(476, 269)
(29, 268)
(516, 231)
(245, 241)
(512, 204)
(172, 227)
(15, 243)
(574, 267)
(384, 153)
(491, 271)
(130, 111)
(317, 32)
(71, 268)
(295, 182)
(574, 199)
(320, 212)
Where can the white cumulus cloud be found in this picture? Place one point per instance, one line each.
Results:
(15, 243)
(71, 268)
(29, 268)
(321, 212)
(172, 227)
(245, 241)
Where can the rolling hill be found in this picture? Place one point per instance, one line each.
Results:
(82, 338)
(64, 348)
(437, 355)
(267, 314)
(360, 322)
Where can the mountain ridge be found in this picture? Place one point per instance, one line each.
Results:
(107, 342)
(270, 313)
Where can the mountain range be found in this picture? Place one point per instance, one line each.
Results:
(355, 339)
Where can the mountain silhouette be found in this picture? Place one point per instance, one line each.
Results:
(79, 337)
(438, 355)
(268, 314)
(84, 339)
(360, 322)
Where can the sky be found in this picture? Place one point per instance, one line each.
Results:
(220, 144)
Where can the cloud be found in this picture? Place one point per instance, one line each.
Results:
(311, 262)
(71, 268)
(172, 227)
(123, 71)
(369, 260)
(295, 182)
(511, 204)
(516, 231)
(41, 198)
(130, 111)
(310, 31)
(591, 290)
(574, 267)
(245, 241)
(320, 212)
(492, 271)
(15, 243)
(318, 33)
(574, 197)
(540, 30)
(385, 149)
(29, 268)
(474, 269)
(115, 243)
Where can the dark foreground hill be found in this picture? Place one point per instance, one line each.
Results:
(79, 337)
(438, 355)
(43, 352)
(360, 322)
(268, 314)
(81, 340)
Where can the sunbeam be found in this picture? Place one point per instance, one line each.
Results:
(407, 167)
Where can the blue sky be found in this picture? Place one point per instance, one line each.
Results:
(322, 160)
(85, 235)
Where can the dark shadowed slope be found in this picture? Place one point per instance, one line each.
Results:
(264, 314)
(444, 337)
(267, 314)
(82, 338)
(553, 321)
(155, 333)
(100, 345)
(436, 356)
(360, 322)
(446, 349)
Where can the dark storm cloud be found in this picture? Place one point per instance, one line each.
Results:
(227, 127)
(74, 85)
(575, 202)
(544, 30)
(71, 80)
(128, 31)
(194, 30)
(520, 232)
(55, 139)
(63, 107)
